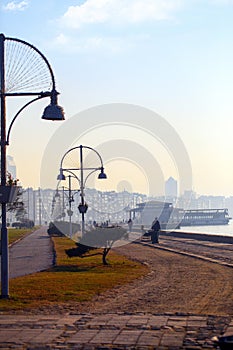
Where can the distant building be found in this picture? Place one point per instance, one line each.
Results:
(11, 167)
(171, 188)
(168, 216)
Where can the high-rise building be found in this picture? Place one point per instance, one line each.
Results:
(171, 188)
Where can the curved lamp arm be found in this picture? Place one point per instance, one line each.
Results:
(45, 94)
(78, 147)
(73, 174)
(89, 175)
(76, 177)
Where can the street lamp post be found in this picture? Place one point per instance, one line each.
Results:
(12, 80)
(70, 197)
(58, 214)
(82, 206)
(70, 213)
(61, 209)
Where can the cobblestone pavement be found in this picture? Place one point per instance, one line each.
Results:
(112, 331)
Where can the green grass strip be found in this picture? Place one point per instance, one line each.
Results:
(72, 280)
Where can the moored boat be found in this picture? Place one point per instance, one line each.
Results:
(201, 217)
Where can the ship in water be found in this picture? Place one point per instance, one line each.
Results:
(202, 217)
(171, 217)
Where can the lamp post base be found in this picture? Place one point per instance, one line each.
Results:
(5, 297)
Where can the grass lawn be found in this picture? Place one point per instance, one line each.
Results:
(71, 280)
(15, 234)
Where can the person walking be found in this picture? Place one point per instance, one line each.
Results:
(130, 224)
(155, 227)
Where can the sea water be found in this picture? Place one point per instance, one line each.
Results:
(222, 230)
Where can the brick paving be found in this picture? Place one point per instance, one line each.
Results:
(112, 331)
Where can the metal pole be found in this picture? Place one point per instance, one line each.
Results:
(63, 203)
(82, 189)
(70, 199)
(4, 233)
(5, 141)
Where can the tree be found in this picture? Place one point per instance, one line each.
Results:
(100, 237)
(18, 205)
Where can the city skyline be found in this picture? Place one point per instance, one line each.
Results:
(170, 192)
(43, 205)
(170, 56)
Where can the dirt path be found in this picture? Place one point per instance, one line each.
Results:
(175, 284)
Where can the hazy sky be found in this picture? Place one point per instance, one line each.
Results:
(174, 57)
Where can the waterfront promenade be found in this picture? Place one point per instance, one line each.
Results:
(31, 254)
(133, 316)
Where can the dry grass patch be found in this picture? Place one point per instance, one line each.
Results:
(71, 280)
(18, 233)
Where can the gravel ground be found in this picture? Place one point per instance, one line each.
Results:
(175, 283)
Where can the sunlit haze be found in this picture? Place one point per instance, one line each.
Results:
(172, 57)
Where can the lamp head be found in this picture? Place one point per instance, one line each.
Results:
(102, 174)
(53, 111)
(61, 176)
